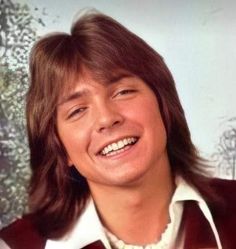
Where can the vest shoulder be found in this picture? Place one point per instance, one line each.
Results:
(225, 191)
(23, 234)
(225, 215)
(225, 188)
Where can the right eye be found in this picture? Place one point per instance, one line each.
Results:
(76, 112)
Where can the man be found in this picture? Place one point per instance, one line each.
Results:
(113, 165)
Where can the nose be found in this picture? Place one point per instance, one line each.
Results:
(108, 117)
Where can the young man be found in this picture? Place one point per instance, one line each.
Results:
(113, 165)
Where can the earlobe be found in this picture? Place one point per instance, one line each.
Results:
(69, 162)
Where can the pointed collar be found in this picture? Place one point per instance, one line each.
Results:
(88, 230)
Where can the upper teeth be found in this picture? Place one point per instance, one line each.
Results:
(118, 145)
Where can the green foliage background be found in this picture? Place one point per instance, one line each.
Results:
(17, 34)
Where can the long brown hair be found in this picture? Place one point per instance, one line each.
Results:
(99, 43)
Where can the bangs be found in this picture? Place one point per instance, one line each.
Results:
(69, 65)
(65, 68)
(71, 56)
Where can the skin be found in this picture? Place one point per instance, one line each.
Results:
(132, 188)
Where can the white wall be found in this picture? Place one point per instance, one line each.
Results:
(197, 40)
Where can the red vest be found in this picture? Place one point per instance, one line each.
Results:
(198, 234)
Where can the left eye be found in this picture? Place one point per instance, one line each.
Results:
(125, 91)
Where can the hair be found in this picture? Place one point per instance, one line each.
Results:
(58, 193)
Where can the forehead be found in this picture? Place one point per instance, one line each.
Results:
(87, 78)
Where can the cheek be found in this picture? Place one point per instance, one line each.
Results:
(146, 111)
(75, 143)
(151, 118)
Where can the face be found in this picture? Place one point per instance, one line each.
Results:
(113, 133)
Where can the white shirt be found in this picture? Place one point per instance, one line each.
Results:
(89, 229)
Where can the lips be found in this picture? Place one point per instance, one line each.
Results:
(118, 146)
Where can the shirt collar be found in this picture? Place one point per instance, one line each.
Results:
(89, 229)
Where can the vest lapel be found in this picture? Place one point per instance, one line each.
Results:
(198, 233)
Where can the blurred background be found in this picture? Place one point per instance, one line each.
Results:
(196, 38)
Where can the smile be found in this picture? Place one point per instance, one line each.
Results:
(119, 146)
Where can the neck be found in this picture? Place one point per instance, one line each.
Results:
(129, 211)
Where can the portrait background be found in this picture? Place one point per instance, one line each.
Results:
(196, 38)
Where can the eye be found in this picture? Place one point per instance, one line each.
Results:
(125, 92)
(76, 112)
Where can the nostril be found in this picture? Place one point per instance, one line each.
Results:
(107, 120)
(116, 122)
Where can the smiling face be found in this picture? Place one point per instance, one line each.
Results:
(113, 133)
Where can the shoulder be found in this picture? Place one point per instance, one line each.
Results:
(218, 182)
(224, 212)
(225, 189)
(22, 234)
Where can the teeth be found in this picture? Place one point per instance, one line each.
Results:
(120, 144)
(115, 146)
(111, 148)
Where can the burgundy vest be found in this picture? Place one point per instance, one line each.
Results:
(23, 235)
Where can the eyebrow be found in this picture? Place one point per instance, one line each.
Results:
(82, 93)
(119, 77)
(73, 96)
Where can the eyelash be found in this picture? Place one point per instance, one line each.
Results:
(77, 111)
(125, 91)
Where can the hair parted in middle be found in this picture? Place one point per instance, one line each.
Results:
(103, 46)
